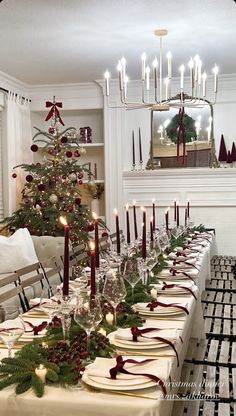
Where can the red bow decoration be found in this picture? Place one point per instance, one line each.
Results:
(184, 262)
(181, 136)
(190, 248)
(174, 272)
(54, 110)
(155, 303)
(136, 332)
(36, 328)
(119, 368)
(181, 253)
(171, 286)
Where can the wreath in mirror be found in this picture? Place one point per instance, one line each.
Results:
(190, 133)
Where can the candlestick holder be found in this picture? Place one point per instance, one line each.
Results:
(65, 315)
(133, 167)
(141, 165)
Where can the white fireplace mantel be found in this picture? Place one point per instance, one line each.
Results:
(212, 195)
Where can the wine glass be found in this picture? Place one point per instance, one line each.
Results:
(114, 290)
(132, 273)
(88, 313)
(11, 330)
(163, 239)
(50, 300)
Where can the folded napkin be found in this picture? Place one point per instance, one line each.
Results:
(182, 255)
(126, 334)
(178, 274)
(158, 307)
(183, 263)
(129, 370)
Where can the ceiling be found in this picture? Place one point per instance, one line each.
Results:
(67, 41)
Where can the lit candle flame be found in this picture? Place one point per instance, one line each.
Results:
(127, 207)
(143, 209)
(95, 217)
(151, 218)
(92, 245)
(153, 200)
(63, 220)
(115, 211)
(134, 202)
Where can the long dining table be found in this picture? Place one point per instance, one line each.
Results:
(86, 401)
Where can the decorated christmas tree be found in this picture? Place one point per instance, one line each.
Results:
(52, 188)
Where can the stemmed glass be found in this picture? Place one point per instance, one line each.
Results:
(12, 329)
(132, 273)
(163, 239)
(114, 290)
(50, 300)
(88, 313)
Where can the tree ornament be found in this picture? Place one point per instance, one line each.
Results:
(72, 176)
(82, 151)
(14, 175)
(64, 139)
(34, 148)
(51, 130)
(29, 178)
(90, 227)
(41, 187)
(53, 198)
(77, 153)
(77, 201)
(69, 153)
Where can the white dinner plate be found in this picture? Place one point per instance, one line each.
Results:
(113, 385)
(137, 345)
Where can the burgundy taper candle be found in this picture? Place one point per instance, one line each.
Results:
(175, 211)
(97, 254)
(135, 222)
(188, 208)
(65, 286)
(151, 229)
(153, 215)
(177, 214)
(133, 148)
(92, 267)
(144, 244)
(127, 224)
(117, 232)
(186, 216)
(140, 147)
(167, 219)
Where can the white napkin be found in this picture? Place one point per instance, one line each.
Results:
(159, 310)
(165, 273)
(125, 334)
(101, 367)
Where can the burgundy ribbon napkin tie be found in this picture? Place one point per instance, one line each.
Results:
(174, 272)
(119, 368)
(36, 328)
(155, 303)
(184, 262)
(171, 286)
(136, 332)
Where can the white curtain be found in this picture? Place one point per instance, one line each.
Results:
(18, 142)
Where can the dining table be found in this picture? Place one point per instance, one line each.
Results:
(86, 400)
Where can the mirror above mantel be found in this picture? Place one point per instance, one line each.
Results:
(182, 137)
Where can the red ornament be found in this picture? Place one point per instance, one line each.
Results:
(70, 208)
(76, 153)
(51, 130)
(80, 176)
(14, 175)
(26, 225)
(90, 227)
(29, 178)
(80, 182)
(34, 148)
(68, 153)
(41, 187)
(64, 139)
(77, 201)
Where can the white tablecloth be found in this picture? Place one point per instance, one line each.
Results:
(76, 402)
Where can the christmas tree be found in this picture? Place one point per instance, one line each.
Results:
(52, 188)
(222, 152)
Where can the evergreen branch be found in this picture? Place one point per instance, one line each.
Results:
(37, 385)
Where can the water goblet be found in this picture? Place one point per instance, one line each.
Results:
(132, 273)
(12, 329)
(114, 290)
(88, 313)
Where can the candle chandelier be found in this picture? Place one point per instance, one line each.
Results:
(158, 98)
